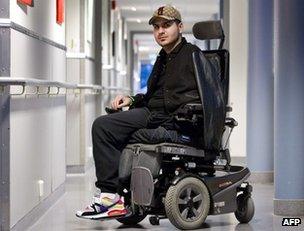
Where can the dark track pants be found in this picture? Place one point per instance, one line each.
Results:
(110, 134)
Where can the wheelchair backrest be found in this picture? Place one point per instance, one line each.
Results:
(212, 77)
(219, 58)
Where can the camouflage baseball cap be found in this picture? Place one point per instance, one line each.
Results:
(166, 12)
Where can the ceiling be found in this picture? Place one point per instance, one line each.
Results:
(138, 12)
(191, 10)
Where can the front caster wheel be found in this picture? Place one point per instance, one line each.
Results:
(187, 203)
(245, 208)
(154, 220)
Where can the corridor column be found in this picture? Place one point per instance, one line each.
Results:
(260, 91)
(289, 107)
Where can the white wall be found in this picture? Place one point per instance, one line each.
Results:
(37, 124)
(72, 28)
(116, 76)
(90, 115)
(37, 147)
(89, 112)
(81, 108)
(238, 45)
(89, 29)
(41, 19)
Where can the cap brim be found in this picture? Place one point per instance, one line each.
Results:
(161, 16)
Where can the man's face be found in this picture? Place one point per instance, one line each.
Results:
(166, 32)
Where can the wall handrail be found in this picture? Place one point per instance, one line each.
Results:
(117, 88)
(89, 86)
(38, 83)
(35, 82)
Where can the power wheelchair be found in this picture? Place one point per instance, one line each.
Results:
(186, 183)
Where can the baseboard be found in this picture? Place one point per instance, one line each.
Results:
(34, 215)
(261, 177)
(255, 177)
(74, 169)
(288, 207)
(82, 168)
(238, 160)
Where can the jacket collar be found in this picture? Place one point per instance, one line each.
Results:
(175, 50)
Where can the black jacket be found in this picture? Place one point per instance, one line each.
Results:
(180, 85)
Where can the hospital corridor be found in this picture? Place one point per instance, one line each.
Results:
(151, 115)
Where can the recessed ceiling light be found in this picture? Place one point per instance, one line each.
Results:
(138, 20)
(133, 8)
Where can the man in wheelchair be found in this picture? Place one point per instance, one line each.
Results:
(161, 154)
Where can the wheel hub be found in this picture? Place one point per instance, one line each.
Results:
(190, 203)
(187, 203)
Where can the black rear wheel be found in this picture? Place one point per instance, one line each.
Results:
(187, 203)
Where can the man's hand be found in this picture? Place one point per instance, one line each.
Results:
(120, 101)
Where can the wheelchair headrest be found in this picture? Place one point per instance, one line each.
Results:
(208, 30)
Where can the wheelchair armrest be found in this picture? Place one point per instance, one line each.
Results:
(230, 122)
(228, 109)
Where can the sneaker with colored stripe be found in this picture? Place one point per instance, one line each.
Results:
(104, 207)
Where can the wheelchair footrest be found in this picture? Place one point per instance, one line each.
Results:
(142, 186)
